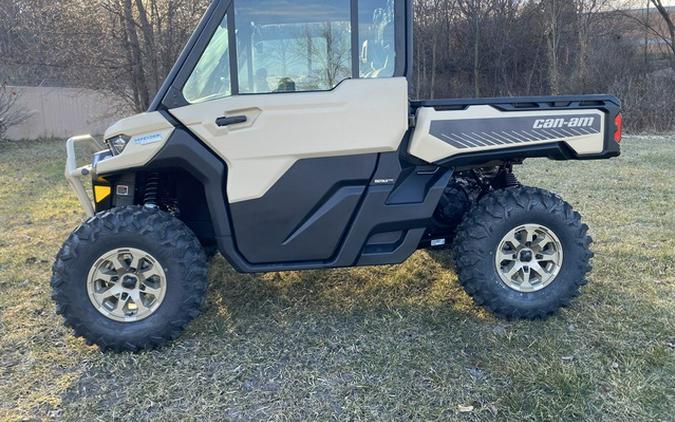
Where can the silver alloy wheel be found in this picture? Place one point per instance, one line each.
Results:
(529, 258)
(126, 284)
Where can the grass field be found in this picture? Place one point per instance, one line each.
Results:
(401, 342)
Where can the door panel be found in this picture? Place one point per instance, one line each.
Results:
(359, 116)
(305, 214)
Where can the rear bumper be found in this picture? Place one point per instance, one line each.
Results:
(74, 173)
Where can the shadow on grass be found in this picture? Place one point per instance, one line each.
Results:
(422, 284)
(424, 289)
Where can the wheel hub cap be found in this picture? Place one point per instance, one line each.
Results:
(126, 285)
(529, 258)
(129, 282)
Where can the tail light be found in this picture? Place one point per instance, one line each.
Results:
(618, 124)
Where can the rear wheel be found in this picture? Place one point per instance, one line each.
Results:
(131, 278)
(522, 252)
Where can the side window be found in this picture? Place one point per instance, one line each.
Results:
(210, 79)
(377, 38)
(285, 46)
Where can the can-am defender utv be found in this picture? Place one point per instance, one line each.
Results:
(284, 137)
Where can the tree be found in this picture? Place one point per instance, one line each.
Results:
(475, 12)
(587, 17)
(553, 13)
(10, 114)
(668, 36)
(145, 35)
(659, 26)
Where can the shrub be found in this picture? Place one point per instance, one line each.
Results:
(647, 101)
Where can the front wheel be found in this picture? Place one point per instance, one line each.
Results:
(129, 279)
(522, 253)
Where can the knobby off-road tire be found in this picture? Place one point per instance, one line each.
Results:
(182, 264)
(493, 219)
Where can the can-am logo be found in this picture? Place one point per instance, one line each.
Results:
(560, 123)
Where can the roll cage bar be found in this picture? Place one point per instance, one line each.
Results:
(170, 93)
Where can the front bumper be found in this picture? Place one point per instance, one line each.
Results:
(74, 173)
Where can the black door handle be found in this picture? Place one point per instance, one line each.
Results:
(233, 120)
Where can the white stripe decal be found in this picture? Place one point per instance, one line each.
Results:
(506, 139)
(526, 136)
(567, 132)
(534, 136)
(518, 139)
(559, 134)
(548, 133)
(468, 142)
(483, 139)
(496, 140)
(539, 137)
(461, 144)
(483, 144)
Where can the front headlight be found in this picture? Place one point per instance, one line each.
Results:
(117, 144)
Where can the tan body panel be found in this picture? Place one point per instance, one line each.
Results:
(148, 132)
(436, 145)
(359, 116)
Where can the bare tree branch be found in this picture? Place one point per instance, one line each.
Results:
(10, 114)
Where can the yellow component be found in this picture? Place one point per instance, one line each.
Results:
(101, 193)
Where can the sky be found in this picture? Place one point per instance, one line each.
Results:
(666, 3)
(637, 4)
(643, 3)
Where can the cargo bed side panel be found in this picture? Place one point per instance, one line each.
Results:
(441, 135)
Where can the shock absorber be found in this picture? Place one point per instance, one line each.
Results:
(511, 180)
(152, 184)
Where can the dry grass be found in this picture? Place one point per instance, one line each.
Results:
(400, 342)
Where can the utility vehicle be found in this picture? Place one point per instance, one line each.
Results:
(285, 139)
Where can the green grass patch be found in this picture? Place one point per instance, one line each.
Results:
(399, 342)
